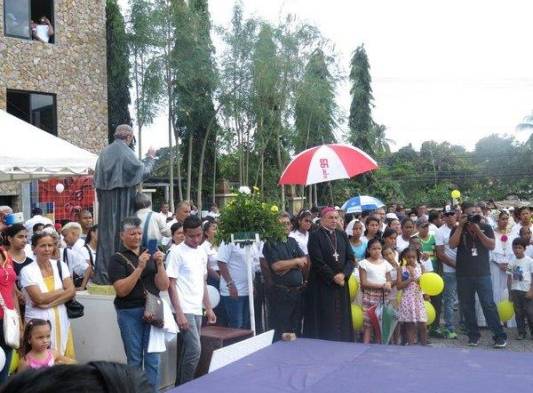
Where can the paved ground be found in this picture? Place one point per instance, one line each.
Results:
(486, 342)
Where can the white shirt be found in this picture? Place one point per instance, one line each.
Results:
(211, 252)
(520, 271)
(515, 231)
(189, 267)
(529, 251)
(77, 264)
(433, 228)
(234, 257)
(84, 252)
(79, 245)
(401, 244)
(442, 238)
(31, 276)
(302, 240)
(157, 227)
(376, 273)
(42, 32)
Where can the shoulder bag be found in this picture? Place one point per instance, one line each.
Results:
(74, 308)
(11, 326)
(153, 306)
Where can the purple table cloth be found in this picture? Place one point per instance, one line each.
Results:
(315, 366)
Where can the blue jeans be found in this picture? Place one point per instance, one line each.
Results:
(467, 287)
(237, 311)
(448, 299)
(135, 336)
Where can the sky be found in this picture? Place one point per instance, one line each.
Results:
(446, 71)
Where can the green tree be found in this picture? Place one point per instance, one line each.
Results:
(195, 83)
(147, 78)
(236, 76)
(266, 105)
(118, 69)
(360, 120)
(316, 109)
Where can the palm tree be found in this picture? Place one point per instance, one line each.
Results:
(381, 142)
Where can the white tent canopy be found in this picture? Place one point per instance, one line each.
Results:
(31, 153)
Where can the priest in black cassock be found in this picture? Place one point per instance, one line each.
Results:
(327, 312)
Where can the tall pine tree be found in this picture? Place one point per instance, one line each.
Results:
(118, 69)
(360, 120)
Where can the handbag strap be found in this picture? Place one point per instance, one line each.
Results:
(145, 230)
(128, 262)
(90, 255)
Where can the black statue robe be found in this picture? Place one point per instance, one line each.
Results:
(327, 313)
(118, 173)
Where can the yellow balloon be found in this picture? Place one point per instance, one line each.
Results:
(431, 283)
(456, 194)
(505, 310)
(353, 287)
(430, 311)
(357, 317)
(399, 297)
(15, 359)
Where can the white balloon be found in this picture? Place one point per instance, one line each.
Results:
(214, 295)
(2, 359)
(60, 187)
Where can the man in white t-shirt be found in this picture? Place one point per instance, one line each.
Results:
(187, 271)
(234, 282)
(447, 256)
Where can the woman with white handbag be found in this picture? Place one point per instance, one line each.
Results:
(9, 314)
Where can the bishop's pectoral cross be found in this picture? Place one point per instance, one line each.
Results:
(336, 256)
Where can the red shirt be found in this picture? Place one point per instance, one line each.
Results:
(7, 282)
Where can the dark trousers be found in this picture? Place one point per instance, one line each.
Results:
(467, 287)
(523, 309)
(285, 310)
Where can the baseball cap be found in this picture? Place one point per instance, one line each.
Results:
(448, 210)
(391, 216)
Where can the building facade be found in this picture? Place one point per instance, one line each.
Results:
(55, 81)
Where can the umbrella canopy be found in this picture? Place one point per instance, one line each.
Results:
(325, 163)
(31, 153)
(361, 203)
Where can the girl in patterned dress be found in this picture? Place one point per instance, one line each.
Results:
(412, 313)
(374, 273)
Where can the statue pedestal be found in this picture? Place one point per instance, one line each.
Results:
(97, 336)
(224, 199)
(295, 204)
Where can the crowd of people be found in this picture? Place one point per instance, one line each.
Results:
(301, 286)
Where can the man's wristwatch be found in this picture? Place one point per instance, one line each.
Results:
(229, 284)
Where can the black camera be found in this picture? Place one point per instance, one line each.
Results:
(473, 218)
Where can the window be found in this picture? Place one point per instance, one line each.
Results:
(30, 19)
(38, 109)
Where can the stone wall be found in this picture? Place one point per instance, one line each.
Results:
(73, 68)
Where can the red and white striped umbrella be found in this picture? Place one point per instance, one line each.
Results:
(325, 163)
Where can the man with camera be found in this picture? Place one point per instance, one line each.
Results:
(473, 240)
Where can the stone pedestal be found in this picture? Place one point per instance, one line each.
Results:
(295, 204)
(224, 199)
(97, 336)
